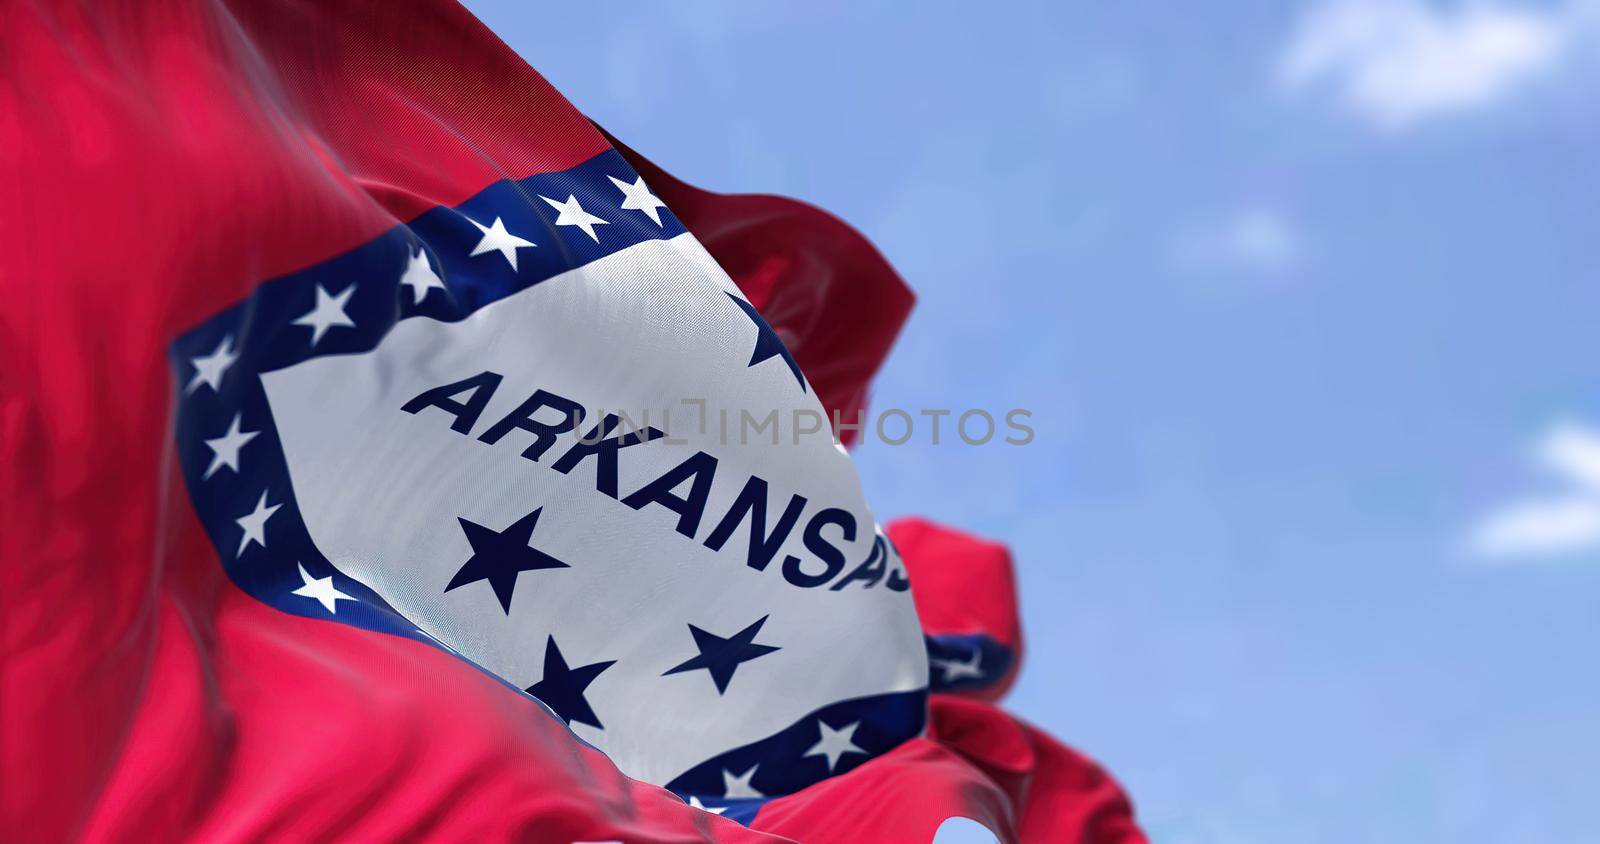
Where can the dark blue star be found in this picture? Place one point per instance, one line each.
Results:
(721, 656)
(499, 556)
(767, 343)
(561, 688)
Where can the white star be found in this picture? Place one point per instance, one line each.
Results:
(497, 239)
(715, 810)
(225, 449)
(419, 276)
(208, 369)
(834, 743)
(327, 313)
(572, 214)
(637, 197)
(735, 787)
(255, 524)
(955, 669)
(321, 590)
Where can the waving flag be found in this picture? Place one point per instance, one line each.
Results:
(370, 471)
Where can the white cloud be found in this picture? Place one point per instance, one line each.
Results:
(1256, 238)
(1260, 237)
(1397, 62)
(1574, 451)
(1561, 523)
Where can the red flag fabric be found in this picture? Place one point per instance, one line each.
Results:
(176, 169)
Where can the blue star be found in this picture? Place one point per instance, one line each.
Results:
(767, 343)
(721, 656)
(561, 688)
(499, 556)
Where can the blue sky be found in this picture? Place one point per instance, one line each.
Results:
(1303, 298)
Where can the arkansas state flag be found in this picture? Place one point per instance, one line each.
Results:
(377, 468)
